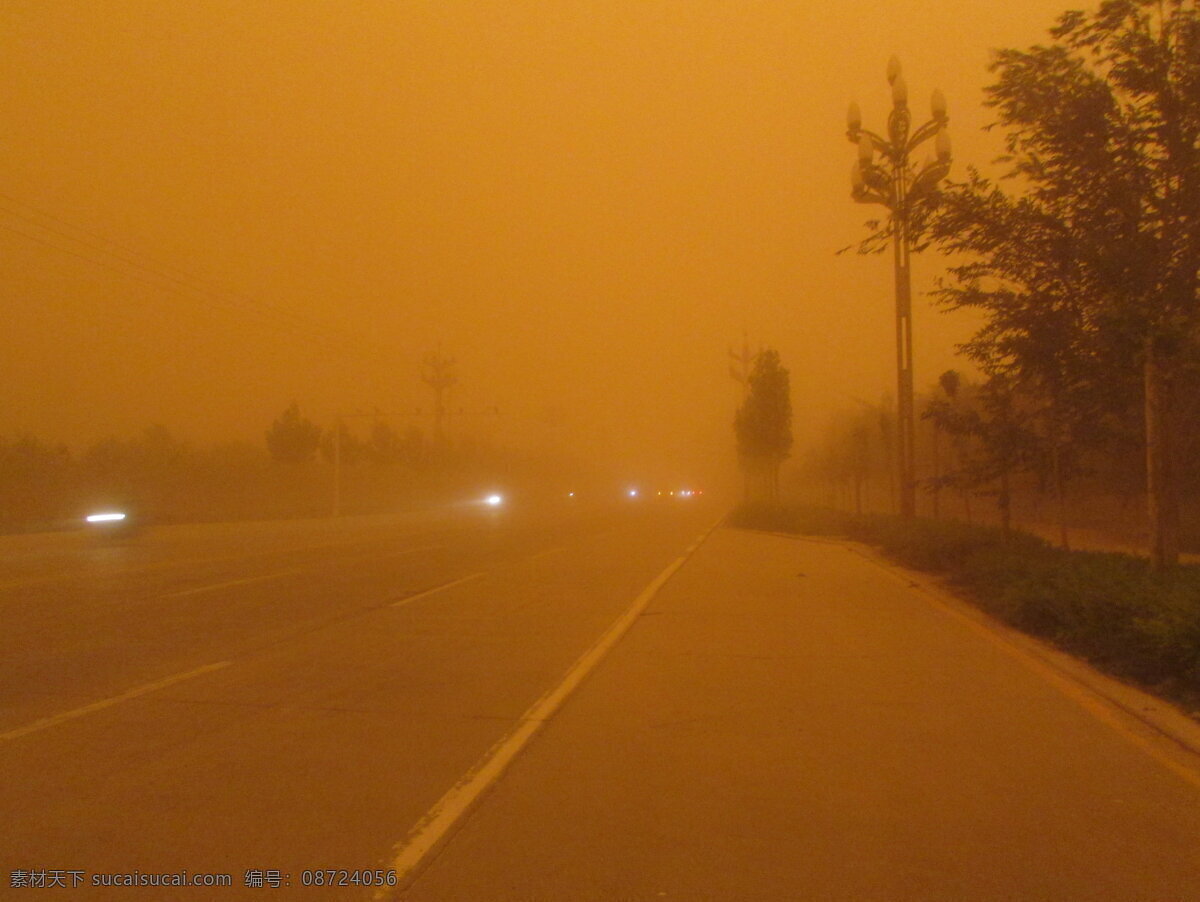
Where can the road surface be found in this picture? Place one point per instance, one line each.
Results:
(550, 704)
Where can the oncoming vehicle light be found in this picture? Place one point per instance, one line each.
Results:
(494, 500)
(108, 517)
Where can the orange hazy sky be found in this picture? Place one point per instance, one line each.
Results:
(209, 209)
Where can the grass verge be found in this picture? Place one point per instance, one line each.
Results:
(1108, 608)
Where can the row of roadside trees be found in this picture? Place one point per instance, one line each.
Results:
(1084, 258)
(164, 478)
(982, 457)
(295, 439)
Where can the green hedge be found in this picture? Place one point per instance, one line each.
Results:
(1108, 608)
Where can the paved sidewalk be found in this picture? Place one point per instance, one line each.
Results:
(788, 720)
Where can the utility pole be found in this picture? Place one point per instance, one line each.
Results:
(337, 466)
(438, 374)
(739, 369)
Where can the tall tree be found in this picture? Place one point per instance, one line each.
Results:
(292, 438)
(1088, 271)
(763, 424)
(993, 436)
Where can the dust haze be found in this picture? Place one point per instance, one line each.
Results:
(209, 211)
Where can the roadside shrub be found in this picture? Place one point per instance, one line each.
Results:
(935, 545)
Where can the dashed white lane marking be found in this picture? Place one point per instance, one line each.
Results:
(438, 821)
(213, 587)
(109, 702)
(124, 572)
(383, 555)
(442, 587)
(265, 577)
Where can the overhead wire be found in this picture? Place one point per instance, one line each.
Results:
(140, 267)
(177, 280)
(214, 380)
(347, 348)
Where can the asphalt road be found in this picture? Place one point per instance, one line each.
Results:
(290, 696)
(559, 704)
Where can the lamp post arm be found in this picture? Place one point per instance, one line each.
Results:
(877, 141)
(927, 178)
(872, 197)
(876, 178)
(924, 133)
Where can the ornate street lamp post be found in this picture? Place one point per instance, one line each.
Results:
(895, 183)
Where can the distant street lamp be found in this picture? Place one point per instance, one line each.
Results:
(896, 184)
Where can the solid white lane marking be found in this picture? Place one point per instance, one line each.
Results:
(213, 587)
(456, 582)
(437, 822)
(109, 702)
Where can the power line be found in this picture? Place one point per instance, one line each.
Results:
(205, 375)
(162, 270)
(345, 350)
(133, 275)
(179, 281)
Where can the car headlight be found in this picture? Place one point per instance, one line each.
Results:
(106, 517)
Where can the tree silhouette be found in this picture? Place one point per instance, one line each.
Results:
(292, 439)
(1089, 276)
(1002, 440)
(763, 425)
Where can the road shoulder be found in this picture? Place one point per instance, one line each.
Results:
(1181, 730)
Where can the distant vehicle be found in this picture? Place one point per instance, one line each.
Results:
(672, 494)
